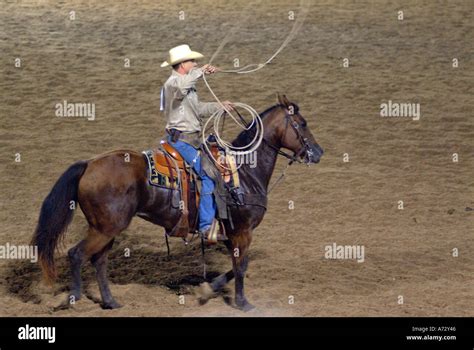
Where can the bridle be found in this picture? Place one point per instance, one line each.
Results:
(305, 146)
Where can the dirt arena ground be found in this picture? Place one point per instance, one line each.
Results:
(408, 252)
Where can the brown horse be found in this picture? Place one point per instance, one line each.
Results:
(112, 188)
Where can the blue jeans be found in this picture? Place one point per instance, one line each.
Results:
(207, 207)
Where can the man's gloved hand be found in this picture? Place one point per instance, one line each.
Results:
(228, 105)
(208, 69)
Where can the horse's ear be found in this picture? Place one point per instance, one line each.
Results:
(283, 100)
(279, 98)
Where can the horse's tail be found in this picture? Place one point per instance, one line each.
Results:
(55, 216)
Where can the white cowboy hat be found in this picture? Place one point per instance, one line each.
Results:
(180, 54)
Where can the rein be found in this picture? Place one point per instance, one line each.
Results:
(292, 158)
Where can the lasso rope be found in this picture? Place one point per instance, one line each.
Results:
(234, 150)
(250, 68)
(255, 117)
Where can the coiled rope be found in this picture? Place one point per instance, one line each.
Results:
(218, 117)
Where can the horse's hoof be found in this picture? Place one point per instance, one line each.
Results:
(204, 293)
(111, 305)
(244, 306)
(92, 297)
(73, 297)
(62, 306)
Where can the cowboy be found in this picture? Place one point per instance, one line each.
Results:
(184, 113)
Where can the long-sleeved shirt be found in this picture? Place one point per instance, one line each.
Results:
(182, 108)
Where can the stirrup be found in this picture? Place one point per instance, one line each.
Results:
(211, 235)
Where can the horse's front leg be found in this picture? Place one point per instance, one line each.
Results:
(239, 252)
(208, 291)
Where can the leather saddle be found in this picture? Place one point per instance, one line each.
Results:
(169, 163)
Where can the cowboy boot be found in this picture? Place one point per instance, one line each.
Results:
(212, 234)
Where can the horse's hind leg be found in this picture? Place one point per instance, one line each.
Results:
(94, 243)
(99, 260)
(76, 259)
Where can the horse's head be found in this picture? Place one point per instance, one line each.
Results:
(290, 131)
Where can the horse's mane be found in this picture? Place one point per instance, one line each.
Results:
(246, 136)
